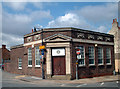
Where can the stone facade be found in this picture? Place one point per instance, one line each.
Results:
(116, 32)
(68, 39)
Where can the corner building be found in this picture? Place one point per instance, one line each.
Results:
(96, 54)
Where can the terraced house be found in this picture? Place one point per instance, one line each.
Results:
(96, 56)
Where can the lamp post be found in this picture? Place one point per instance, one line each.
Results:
(42, 55)
(77, 52)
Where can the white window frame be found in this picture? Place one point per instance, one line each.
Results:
(102, 57)
(35, 57)
(28, 57)
(110, 56)
(94, 56)
(84, 57)
(19, 63)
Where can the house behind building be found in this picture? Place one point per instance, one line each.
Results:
(116, 32)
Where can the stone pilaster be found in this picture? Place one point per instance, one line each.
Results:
(68, 70)
(49, 62)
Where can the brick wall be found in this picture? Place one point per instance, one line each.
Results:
(23, 53)
(4, 54)
(91, 71)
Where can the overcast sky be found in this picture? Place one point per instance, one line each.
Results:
(18, 18)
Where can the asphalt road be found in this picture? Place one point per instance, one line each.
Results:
(9, 81)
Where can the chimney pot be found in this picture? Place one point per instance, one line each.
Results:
(115, 20)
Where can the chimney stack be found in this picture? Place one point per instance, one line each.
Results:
(3, 46)
(115, 20)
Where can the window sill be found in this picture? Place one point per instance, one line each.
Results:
(92, 65)
(37, 66)
(29, 65)
(109, 64)
(100, 64)
(81, 65)
(20, 68)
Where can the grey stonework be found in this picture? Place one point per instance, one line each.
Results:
(116, 32)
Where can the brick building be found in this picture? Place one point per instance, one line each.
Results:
(96, 56)
(4, 55)
(116, 32)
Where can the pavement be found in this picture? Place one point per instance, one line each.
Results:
(17, 80)
(80, 81)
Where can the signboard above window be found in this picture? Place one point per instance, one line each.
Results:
(58, 52)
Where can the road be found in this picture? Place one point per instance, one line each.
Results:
(10, 80)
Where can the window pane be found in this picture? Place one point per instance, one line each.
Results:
(29, 56)
(19, 63)
(81, 56)
(81, 61)
(37, 56)
(100, 55)
(91, 55)
(108, 55)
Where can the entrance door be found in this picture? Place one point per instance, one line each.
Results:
(58, 66)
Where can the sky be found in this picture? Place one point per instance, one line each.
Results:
(18, 18)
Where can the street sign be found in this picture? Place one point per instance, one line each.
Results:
(42, 51)
(78, 51)
(79, 56)
(40, 56)
(42, 47)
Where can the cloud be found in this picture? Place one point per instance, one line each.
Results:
(69, 20)
(16, 5)
(102, 29)
(99, 13)
(96, 18)
(38, 4)
(0, 24)
(21, 24)
(11, 40)
(15, 25)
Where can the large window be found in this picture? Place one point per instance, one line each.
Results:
(81, 56)
(29, 57)
(91, 55)
(100, 55)
(108, 55)
(37, 57)
(19, 63)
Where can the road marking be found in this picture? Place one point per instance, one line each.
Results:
(20, 76)
(63, 85)
(102, 83)
(117, 81)
(35, 77)
(81, 85)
